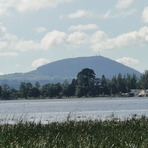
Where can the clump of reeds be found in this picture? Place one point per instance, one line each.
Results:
(130, 133)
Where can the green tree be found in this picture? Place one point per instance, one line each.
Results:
(56, 90)
(0, 91)
(37, 85)
(51, 90)
(114, 87)
(14, 93)
(121, 83)
(128, 82)
(46, 90)
(85, 82)
(68, 90)
(134, 81)
(36, 91)
(144, 80)
(6, 93)
(104, 86)
(23, 90)
(26, 89)
(97, 87)
(72, 88)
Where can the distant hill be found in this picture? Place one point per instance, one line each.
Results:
(68, 69)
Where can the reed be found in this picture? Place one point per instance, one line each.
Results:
(130, 133)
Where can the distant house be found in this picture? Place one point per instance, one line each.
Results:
(140, 92)
(135, 92)
(147, 93)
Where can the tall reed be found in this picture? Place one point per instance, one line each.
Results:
(130, 133)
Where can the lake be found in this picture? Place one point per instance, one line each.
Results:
(49, 110)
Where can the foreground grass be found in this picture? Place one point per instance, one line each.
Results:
(130, 133)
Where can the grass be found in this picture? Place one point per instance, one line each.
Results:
(130, 133)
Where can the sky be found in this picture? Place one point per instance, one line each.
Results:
(37, 32)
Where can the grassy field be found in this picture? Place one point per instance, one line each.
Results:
(130, 133)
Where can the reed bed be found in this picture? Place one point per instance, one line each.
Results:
(130, 133)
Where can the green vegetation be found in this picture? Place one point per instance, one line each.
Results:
(85, 85)
(130, 133)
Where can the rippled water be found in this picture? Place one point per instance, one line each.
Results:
(71, 109)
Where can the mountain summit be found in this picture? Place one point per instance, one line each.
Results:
(60, 70)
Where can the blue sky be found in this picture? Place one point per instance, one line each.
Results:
(36, 32)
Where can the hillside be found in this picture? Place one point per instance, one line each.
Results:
(60, 70)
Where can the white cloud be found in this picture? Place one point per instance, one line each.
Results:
(6, 6)
(110, 14)
(77, 38)
(9, 54)
(6, 38)
(97, 41)
(17, 65)
(128, 13)
(39, 62)
(145, 15)
(2, 29)
(131, 39)
(34, 5)
(128, 61)
(41, 29)
(1, 73)
(3, 44)
(58, 38)
(83, 27)
(4, 12)
(81, 14)
(26, 45)
(9, 37)
(123, 4)
(107, 15)
(98, 37)
(53, 38)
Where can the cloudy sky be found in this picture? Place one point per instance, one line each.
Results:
(36, 32)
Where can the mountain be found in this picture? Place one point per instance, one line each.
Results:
(68, 69)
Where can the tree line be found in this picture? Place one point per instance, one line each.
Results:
(85, 85)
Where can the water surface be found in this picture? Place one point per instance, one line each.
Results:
(49, 110)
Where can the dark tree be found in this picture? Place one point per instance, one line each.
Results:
(26, 89)
(51, 90)
(114, 87)
(46, 90)
(104, 86)
(85, 82)
(144, 80)
(121, 84)
(0, 91)
(97, 87)
(37, 84)
(6, 93)
(14, 93)
(35, 93)
(56, 90)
